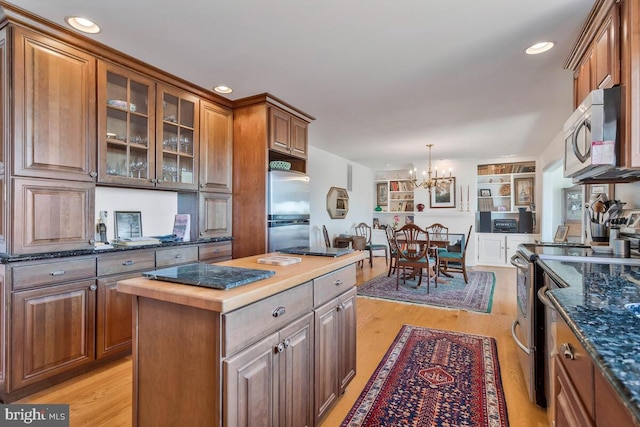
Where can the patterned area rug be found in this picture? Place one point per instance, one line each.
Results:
(432, 378)
(477, 295)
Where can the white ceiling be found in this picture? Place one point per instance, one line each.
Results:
(382, 78)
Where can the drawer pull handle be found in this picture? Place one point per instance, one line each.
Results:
(565, 348)
(338, 282)
(57, 273)
(129, 262)
(178, 256)
(278, 312)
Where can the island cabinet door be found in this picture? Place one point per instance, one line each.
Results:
(295, 374)
(347, 342)
(53, 331)
(251, 385)
(327, 337)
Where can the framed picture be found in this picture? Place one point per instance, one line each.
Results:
(443, 195)
(561, 234)
(485, 192)
(524, 191)
(376, 222)
(128, 224)
(382, 194)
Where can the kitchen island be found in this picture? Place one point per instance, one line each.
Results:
(279, 350)
(591, 306)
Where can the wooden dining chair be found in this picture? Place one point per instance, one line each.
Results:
(393, 249)
(325, 233)
(455, 261)
(438, 232)
(414, 252)
(364, 230)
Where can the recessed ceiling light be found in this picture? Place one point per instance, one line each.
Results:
(539, 48)
(83, 24)
(223, 89)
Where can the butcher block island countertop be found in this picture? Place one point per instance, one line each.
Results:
(223, 301)
(277, 351)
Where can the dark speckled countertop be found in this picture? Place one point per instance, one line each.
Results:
(593, 306)
(5, 259)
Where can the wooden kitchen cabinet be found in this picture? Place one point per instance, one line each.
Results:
(51, 215)
(287, 134)
(113, 322)
(335, 324)
(216, 148)
(214, 252)
(271, 381)
(54, 109)
(126, 126)
(262, 127)
(53, 331)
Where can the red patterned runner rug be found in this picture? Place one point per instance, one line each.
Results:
(434, 378)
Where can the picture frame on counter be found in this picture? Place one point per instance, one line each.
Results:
(128, 224)
(443, 195)
(561, 234)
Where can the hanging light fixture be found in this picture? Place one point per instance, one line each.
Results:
(429, 181)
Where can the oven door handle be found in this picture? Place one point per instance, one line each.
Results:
(515, 337)
(516, 261)
(542, 296)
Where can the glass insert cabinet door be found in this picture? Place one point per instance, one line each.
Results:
(177, 133)
(126, 126)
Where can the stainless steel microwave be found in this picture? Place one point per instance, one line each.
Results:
(591, 135)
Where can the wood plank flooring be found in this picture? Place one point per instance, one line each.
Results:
(103, 397)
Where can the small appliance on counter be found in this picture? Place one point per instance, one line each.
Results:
(505, 225)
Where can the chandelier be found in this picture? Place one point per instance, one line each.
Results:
(429, 181)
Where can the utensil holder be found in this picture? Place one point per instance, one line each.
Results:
(599, 232)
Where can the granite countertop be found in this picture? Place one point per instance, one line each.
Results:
(593, 307)
(5, 259)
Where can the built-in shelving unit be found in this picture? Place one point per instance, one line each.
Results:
(506, 187)
(394, 195)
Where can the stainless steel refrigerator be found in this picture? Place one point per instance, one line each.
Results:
(288, 209)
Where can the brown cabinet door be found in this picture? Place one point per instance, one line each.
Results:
(177, 138)
(214, 215)
(279, 130)
(126, 127)
(251, 386)
(296, 374)
(113, 317)
(216, 148)
(347, 342)
(52, 215)
(299, 138)
(610, 411)
(327, 338)
(606, 50)
(53, 331)
(583, 81)
(569, 408)
(54, 109)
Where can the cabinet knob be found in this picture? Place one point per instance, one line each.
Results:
(93, 287)
(128, 262)
(92, 241)
(279, 348)
(178, 256)
(201, 185)
(287, 343)
(338, 282)
(567, 352)
(93, 174)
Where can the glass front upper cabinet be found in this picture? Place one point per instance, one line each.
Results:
(126, 127)
(178, 139)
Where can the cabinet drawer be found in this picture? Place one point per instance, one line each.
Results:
(333, 284)
(576, 362)
(256, 320)
(125, 262)
(169, 257)
(51, 272)
(215, 251)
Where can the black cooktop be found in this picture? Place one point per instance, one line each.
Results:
(318, 251)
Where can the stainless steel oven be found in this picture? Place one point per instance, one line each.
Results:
(523, 330)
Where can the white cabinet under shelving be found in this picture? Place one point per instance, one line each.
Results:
(498, 248)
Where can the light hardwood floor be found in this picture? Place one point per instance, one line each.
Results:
(103, 397)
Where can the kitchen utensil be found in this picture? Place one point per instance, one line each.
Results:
(599, 209)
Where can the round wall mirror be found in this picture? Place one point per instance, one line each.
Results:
(337, 202)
